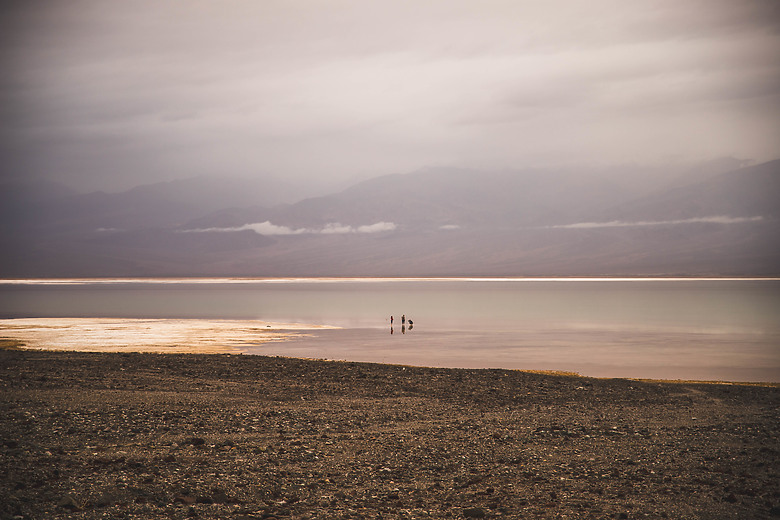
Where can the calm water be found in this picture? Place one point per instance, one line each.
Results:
(697, 329)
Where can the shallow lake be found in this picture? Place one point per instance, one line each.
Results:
(715, 329)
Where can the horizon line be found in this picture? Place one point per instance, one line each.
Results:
(205, 280)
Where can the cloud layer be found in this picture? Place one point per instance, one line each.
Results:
(334, 228)
(699, 220)
(111, 94)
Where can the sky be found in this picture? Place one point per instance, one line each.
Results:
(112, 94)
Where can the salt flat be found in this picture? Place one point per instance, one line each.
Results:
(147, 335)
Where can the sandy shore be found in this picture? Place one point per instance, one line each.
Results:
(97, 435)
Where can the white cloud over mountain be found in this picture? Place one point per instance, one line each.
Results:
(332, 228)
(720, 219)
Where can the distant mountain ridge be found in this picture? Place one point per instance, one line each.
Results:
(748, 192)
(469, 198)
(433, 222)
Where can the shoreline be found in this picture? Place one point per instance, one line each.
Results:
(600, 355)
(18, 345)
(691, 331)
(366, 279)
(213, 436)
(308, 341)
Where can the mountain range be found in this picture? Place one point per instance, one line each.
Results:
(719, 219)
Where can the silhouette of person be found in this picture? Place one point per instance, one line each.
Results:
(403, 319)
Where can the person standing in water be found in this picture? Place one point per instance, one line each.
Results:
(403, 319)
(391, 320)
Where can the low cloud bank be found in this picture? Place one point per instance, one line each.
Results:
(617, 223)
(333, 228)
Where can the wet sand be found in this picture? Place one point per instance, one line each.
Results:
(134, 435)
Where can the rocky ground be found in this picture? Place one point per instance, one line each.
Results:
(86, 435)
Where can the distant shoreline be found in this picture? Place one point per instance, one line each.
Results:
(242, 280)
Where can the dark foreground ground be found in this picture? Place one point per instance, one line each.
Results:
(244, 437)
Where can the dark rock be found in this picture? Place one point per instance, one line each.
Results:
(106, 499)
(196, 441)
(68, 502)
(184, 499)
(474, 512)
(220, 497)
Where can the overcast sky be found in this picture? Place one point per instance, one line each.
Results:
(111, 94)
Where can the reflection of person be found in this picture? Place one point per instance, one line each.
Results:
(391, 329)
(403, 329)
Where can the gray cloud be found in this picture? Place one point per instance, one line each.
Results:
(112, 94)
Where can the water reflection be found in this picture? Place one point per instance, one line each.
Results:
(403, 328)
(654, 328)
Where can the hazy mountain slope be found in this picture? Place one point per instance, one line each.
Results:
(50, 230)
(438, 197)
(703, 250)
(159, 205)
(20, 200)
(435, 197)
(446, 223)
(145, 252)
(506, 225)
(747, 192)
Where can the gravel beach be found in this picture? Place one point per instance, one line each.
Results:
(134, 435)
